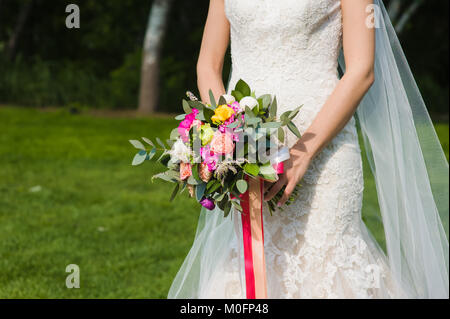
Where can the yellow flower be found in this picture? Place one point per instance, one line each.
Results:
(222, 113)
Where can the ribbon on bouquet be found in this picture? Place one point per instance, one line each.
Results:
(253, 236)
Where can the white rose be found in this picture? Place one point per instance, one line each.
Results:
(229, 98)
(180, 152)
(249, 101)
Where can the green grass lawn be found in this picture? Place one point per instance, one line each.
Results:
(68, 195)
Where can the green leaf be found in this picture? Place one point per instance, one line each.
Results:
(196, 105)
(237, 95)
(200, 191)
(236, 205)
(214, 187)
(137, 144)
(249, 113)
(222, 100)
(207, 114)
(268, 172)
(180, 117)
(295, 112)
(201, 115)
(242, 186)
(294, 129)
(168, 176)
(285, 117)
(174, 134)
(187, 109)
(174, 192)
(192, 181)
(158, 140)
(243, 87)
(146, 140)
(271, 125)
(253, 121)
(281, 134)
(251, 169)
(139, 158)
(195, 172)
(151, 154)
(266, 99)
(227, 209)
(212, 100)
(273, 108)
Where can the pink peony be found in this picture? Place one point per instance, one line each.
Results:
(185, 170)
(222, 143)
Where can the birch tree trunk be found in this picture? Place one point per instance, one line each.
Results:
(154, 36)
(11, 47)
(400, 12)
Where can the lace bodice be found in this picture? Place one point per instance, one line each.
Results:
(289, 48)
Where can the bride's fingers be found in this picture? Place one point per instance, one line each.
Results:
(274, 190)
(267, 185)
(286, 194)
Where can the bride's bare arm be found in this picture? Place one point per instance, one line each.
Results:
(214, 45)
(359, 52)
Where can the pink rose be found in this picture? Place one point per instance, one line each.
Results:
(222, 143)
(185, 170)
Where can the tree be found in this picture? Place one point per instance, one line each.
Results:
(156, 27)
(400, 13)
(25, 10)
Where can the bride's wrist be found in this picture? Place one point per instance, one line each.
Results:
(300, 153)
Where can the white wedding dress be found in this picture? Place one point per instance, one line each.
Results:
(318, 247)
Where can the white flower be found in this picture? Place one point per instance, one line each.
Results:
(229, 98)
(180, 152)
(249, 101)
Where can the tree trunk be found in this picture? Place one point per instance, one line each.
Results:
(11, 47)
(157, 24)
(409, 12)
(400, 15)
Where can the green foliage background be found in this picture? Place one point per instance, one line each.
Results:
(99, 65)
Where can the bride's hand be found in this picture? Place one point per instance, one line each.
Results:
(294, 169)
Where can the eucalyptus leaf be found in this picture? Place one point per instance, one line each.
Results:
(281, 134)
(139, 158)
(151, 154)
(137, 144)
(187, 109)
(193, 181)
(212, 100)
(242, 186)
(222, 100)
(273, 108)
(158, 140)
(200, 191)
(175, 192)
(148, 141)
(294, 129)
(227, 209)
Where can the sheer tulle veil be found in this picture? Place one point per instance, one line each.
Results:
(411, 174)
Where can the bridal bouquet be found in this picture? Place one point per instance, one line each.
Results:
(217, 147)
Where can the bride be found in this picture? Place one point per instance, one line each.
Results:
(318, 247)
